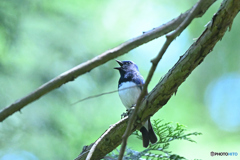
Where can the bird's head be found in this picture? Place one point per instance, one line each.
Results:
(126, 66)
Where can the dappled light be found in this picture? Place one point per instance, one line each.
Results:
(223, 101)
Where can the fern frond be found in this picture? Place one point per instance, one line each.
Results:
(166, 132)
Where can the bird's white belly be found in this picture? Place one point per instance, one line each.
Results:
(129, 96)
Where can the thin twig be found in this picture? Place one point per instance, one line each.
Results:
(98, 95)
(192, 14)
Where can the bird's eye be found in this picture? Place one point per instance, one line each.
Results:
(128, 63)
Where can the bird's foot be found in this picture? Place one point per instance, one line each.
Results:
(130, 110)
(124, 115)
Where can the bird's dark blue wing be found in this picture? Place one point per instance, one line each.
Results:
(132, 76)
(138, 79)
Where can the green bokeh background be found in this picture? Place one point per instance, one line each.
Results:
(41, 39)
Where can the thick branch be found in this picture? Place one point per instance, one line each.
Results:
(163, 91)
(73, 73)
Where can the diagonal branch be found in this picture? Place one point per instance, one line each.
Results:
(170, 37)
(163, 91)
(73, 73)
(99, 140)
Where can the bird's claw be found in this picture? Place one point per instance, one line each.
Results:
(129, 111)
(124, 115)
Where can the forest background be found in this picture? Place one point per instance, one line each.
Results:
(40, 40)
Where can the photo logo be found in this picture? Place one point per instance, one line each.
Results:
(223, 153)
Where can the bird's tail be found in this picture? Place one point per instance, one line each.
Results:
(145, 136)
(148, 134)
(151, 133)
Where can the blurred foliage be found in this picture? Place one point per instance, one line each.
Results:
(40, 40)
(166, 133)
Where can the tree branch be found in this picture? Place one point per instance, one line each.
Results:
(163, 91)
(170, 37)
(102, 136)
(73, 73)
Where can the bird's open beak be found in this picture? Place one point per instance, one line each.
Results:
(120, 63)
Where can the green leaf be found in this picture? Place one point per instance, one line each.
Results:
(166, 132)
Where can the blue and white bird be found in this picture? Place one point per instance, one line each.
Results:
(130, 86)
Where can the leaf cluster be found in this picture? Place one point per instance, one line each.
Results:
(166, 132)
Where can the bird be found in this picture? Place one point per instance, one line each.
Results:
(130, 86)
